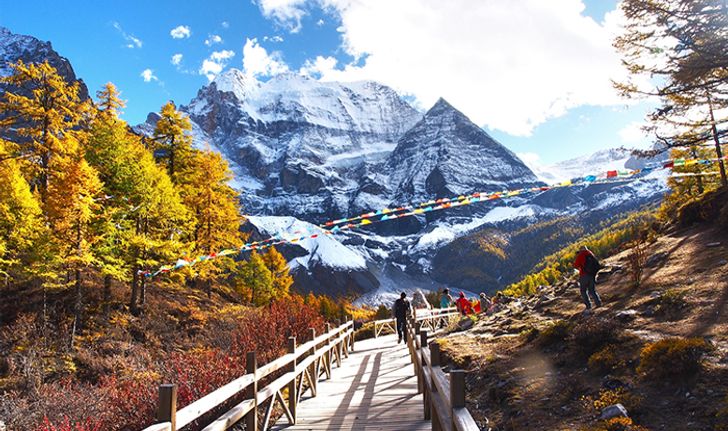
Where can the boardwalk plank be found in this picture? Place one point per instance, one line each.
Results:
(374, 389)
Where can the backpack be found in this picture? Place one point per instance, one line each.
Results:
(591, 265)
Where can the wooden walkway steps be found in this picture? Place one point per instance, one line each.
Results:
(375, 389)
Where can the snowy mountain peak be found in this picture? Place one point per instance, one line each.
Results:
(235, 81)
(446, 154)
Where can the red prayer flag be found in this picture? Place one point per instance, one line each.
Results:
(611, 174)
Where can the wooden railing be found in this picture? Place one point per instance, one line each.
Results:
(303, 363)
(443, 393)
(431, 319)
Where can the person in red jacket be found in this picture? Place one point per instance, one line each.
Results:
(588, 266)
(463, 305)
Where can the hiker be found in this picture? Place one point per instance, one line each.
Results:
(484, 303)
(496, 304)
(445, 298)
(401, 311)
(463, 305)
(419, 301)
(588, 267)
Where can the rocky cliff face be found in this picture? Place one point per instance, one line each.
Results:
(14, 47)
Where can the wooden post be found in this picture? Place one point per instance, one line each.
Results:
(251, 367)
(353, 332)
(425, 393)
(435, 360)
(345, 346)
(457, 392)
(167, 411)
(314, 370)
(420, 373)
(327, 355)
(292, 397)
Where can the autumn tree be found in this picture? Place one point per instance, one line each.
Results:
(171, 135)
(213, 205)
(72, 209)
(281, 278)
(254, 280)
(21, 222)
(675, 49)
(43, 112)
(145, 219)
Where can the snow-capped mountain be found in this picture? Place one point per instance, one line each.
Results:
(300, 143)
(324, 150)
(14, 47)
(305, 151)
(600, 161)
(446, 154)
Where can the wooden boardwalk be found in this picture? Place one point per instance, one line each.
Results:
(375, 389)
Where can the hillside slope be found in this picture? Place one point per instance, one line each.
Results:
(541, 363)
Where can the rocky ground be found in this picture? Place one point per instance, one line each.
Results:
(543, 363)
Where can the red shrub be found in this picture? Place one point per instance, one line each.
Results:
(66, 425)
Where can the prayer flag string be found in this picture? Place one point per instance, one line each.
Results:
(340, 225)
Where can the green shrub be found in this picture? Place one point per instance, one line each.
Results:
(672, 357)
(605, 360)
(591, 334)
(553, 334)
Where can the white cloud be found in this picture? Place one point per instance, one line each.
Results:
(287, 13)
(180, 32)
(213, 39)
(215, 63)
(320, 22)
(276, 39)
(318, 66)
(258, 62)
(132, 41)
(225, 24)
(633, 135)
(148, 75)
(508, 65)
(176, 59)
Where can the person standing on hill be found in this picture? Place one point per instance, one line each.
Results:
(588, 267)
(463, 305)
(401, 311)
(445, 298)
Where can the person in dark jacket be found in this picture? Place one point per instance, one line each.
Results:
(588, 266)
(401, 311)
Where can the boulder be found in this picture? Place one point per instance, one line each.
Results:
(613, 411)
(625, 316)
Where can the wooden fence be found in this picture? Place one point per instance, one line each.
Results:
(443, 393)
(303, 363)
(431, 319)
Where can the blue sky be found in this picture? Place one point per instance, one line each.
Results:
(529, 101)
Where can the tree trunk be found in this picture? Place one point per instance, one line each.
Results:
(77, 307)
(718, 151)
(699, 178)
(142, 292)
(107, 295)
(208, 288)
(134, 290)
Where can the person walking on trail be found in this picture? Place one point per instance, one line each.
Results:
(419, 301)
(588, 267)
(463, 305)
(401, 311)
(445, 298)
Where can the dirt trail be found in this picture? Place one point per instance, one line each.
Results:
(520, 384)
